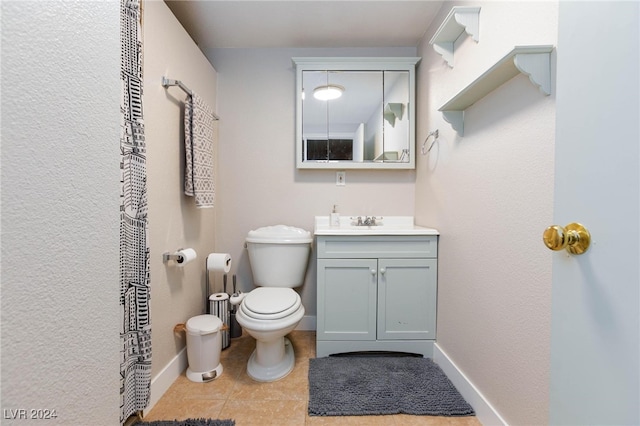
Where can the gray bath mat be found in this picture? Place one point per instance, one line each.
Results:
(361, 386)
(188, 422)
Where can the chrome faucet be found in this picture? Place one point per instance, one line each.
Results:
(368, 220)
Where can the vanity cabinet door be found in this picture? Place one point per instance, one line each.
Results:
(407, 291)
(347, 299)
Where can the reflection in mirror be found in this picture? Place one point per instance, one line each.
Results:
(345, 128)
(367, 123)
(396, 123)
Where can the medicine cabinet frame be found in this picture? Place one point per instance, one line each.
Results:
(361, 64)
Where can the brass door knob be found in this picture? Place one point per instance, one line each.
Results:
(574, 237)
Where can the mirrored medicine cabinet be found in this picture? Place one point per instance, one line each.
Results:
(355, 113)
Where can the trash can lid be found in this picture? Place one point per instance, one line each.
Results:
(204, 324)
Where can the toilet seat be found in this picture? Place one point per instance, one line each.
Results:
(270, 303)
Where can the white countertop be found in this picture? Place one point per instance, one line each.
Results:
(388, 225)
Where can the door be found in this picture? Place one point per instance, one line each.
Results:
(407, 299)
(594, 374)
(347, 299)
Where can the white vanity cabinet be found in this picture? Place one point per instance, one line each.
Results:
(376, 293)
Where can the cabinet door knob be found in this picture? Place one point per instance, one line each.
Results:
(373, 271)
(383, 270)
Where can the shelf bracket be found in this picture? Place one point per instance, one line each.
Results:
(459, 20)
(445, 49)
(536, 66)
(469, 19)
(456, 119)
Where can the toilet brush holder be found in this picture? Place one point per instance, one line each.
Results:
(235, 329)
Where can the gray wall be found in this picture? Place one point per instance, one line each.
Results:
(60, 210)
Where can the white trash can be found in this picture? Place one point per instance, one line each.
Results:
(204, 343)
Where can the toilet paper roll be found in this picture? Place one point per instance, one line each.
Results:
(219, 306)
(219, 296)
(185, 256)
(219, 262)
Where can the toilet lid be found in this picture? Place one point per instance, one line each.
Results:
(279, 234)
(270, 303)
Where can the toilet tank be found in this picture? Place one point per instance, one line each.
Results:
(279, 255)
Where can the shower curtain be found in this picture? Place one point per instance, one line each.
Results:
(135, 330)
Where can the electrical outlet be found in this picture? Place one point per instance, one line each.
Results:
(341, 178)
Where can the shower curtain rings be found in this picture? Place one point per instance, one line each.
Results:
(424, 144)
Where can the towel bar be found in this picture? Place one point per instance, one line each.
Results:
(167, 82)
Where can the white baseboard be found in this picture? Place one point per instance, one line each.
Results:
(486, 414)
(163, 381)
(308, 323)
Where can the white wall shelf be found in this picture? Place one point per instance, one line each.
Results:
(532, 61)
(459, 20)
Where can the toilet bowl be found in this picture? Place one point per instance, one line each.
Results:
(278, 256)
(268, 314)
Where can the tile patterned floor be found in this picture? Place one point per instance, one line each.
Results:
(234, 395)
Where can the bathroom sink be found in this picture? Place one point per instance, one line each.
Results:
(388, 225)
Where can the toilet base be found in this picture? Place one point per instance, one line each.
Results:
(204, 376)
(270, 373)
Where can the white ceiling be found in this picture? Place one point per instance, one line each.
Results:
(304, 23)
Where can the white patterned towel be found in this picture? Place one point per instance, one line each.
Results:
(198, 144)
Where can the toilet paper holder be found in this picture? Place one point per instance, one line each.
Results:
(166, 256)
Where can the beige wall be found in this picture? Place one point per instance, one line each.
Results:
(258, 182)
(174, 222)
(490, 193)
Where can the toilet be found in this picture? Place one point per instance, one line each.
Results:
(278, 256)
